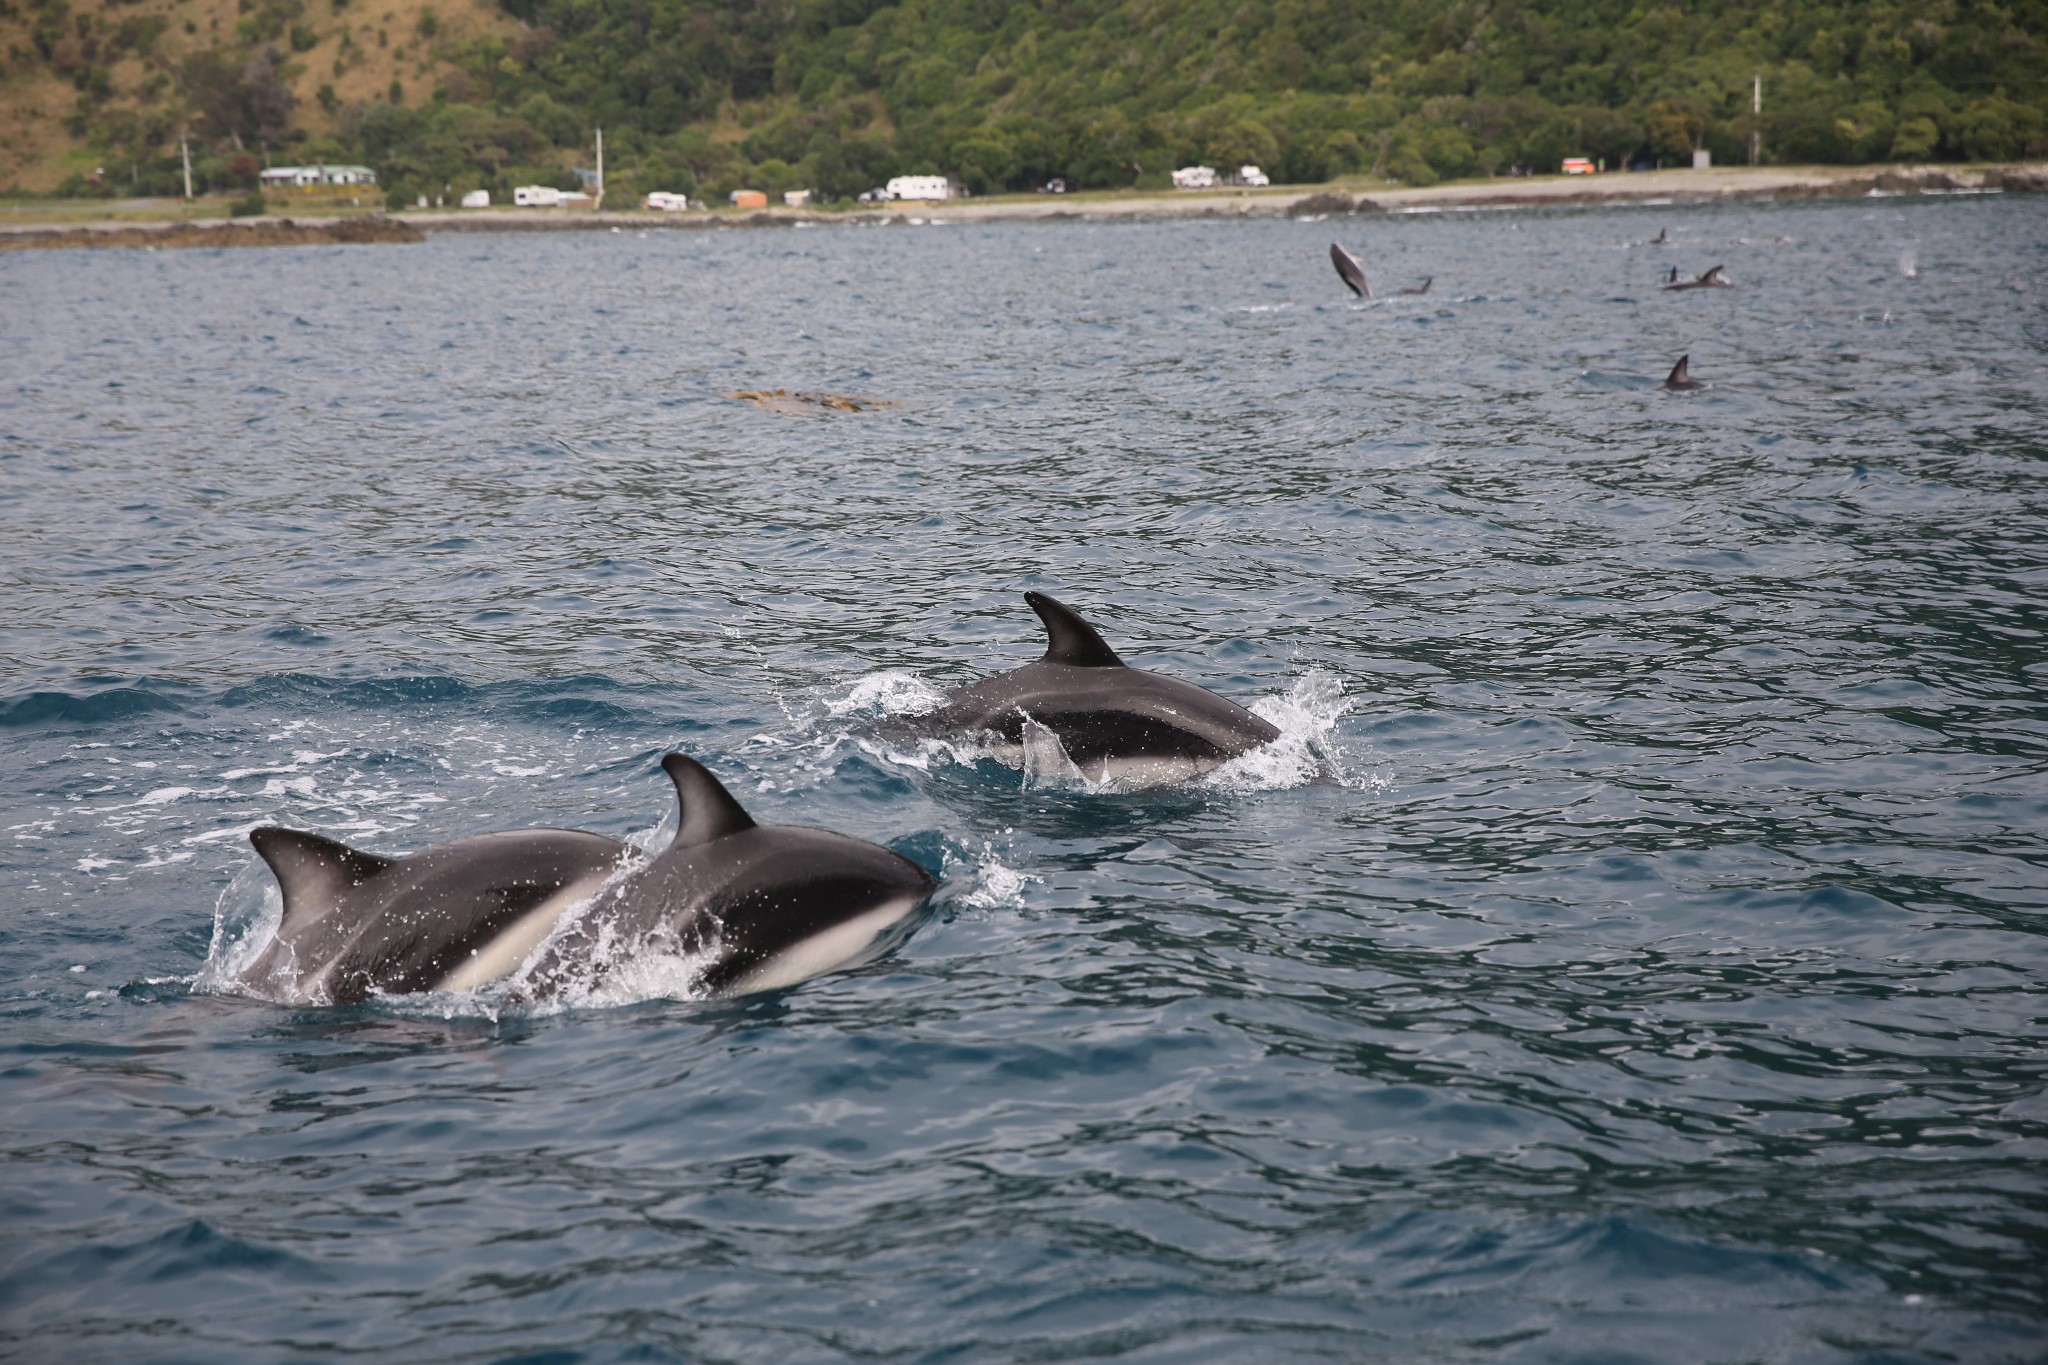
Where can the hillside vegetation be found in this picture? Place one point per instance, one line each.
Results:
(840, 94)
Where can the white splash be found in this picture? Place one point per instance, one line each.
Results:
(616, 968)
(996, 887)
(1909, 264)
(1306, 716)
(246, 916)
(892, 692)
(1045, 761)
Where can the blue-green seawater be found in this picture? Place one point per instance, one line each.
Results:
(1665, 981)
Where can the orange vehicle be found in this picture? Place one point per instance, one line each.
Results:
(1578, 165)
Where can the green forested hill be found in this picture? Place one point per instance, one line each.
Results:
(840, 94)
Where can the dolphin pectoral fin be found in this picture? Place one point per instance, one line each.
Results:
(1069, 639)
(312, 871)
(708, 809)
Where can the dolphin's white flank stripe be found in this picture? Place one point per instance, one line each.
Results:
(843, 945)
(508, 951)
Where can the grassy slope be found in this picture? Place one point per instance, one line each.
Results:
(37, 151)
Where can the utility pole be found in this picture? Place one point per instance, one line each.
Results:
(1756, 117)
(185, 151)
(600, 168)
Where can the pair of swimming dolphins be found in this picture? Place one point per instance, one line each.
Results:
(749, 907)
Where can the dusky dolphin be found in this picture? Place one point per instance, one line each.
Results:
(453, 916)
(1422, 288)
(1708, 279)
(1680, 379)
(1663, 238)
(1116, 723)
(749, 907)
(1671, 276)
(1350, 271)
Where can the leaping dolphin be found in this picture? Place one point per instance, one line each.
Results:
(1350, 271)
(1116, 723)
(1680, 379)
(750, 907)
(453, 916)
(746, 907)
(1708, 279)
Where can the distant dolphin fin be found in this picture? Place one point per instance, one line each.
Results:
(1350, 271)
(1712, 276)
(1069, 639)
(312, 871)
(708, 809)
(1680, 373)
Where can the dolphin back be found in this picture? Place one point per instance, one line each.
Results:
(456, 914)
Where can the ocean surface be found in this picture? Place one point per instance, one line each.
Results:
(1665, 980)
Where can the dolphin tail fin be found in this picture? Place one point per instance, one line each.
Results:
(1680, 373)
(1069, 639)
(708, 809)
(312, 871)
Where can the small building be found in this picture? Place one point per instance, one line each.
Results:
(307, 177)
(796, 199)
(919, 187)
(1702, 159)
(749, 199)
(477, 199)
(1195, 178)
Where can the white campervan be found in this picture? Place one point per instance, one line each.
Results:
(919, 187)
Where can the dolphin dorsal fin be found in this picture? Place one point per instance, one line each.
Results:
(1679, 372)
(1712, 275)
(708, 809)
(1069, 639)
(312, 871)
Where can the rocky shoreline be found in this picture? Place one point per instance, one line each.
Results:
(1652, 187)
(232, 232)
